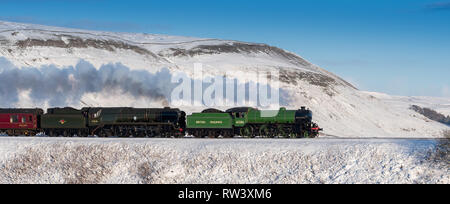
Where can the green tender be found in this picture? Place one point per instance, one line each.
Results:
(209, 121)
(282, 116)
(64, 118)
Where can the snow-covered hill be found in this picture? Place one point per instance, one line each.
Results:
(48, 66)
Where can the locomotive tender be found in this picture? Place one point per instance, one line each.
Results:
(158, 122)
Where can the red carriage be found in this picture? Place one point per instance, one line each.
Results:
(20, 121)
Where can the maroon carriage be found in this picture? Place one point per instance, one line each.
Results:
(20, 121)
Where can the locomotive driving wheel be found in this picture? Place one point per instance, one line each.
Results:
(102, 133)
(265, 132)
(306, 134)
(280, 132)
(247, 132)
(292, 135)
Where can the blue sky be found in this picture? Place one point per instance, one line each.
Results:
(398, 47)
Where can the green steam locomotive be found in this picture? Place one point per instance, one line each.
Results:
(251, 122)
(158, 122)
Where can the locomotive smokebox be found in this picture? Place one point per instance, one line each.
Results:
(303, 114)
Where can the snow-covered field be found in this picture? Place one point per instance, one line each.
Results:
(76, 160)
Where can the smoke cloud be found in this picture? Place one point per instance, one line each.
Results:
(63, 86)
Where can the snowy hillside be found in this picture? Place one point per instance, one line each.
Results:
(202, 161)
(48, 66)
(441, 105)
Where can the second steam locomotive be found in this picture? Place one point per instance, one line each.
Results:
(158, 122)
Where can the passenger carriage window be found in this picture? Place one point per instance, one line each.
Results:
(30, 119)
(24, 119)
(14, 119)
